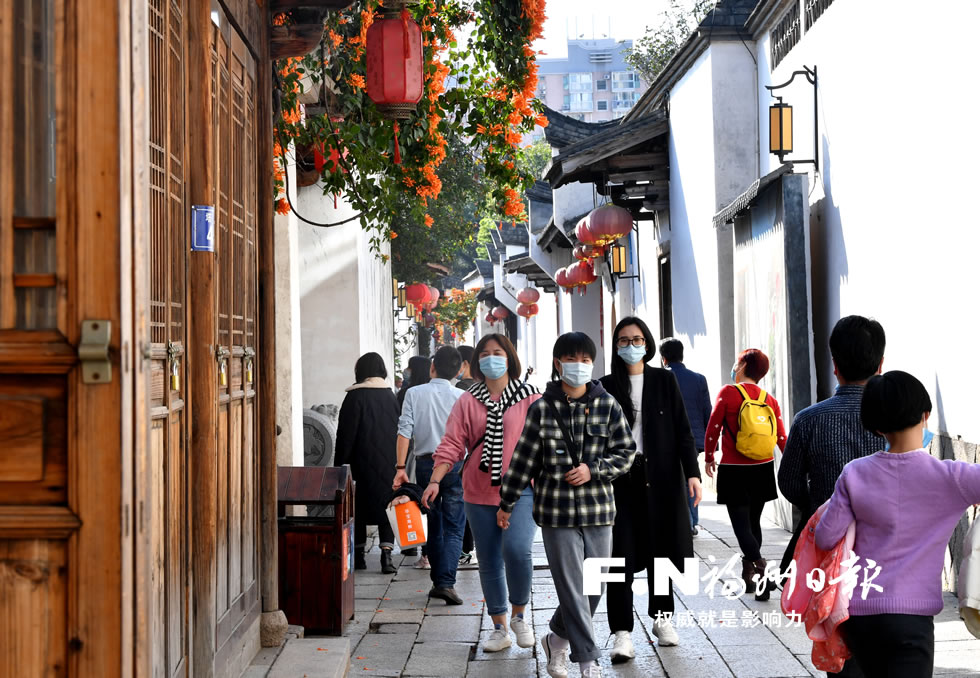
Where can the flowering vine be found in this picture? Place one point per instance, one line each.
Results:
(481, 92)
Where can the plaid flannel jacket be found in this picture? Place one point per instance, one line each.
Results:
(541, 456)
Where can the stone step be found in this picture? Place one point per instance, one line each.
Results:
(313, 658)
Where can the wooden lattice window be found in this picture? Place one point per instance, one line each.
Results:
(785, 35)
(814, 10)
(31, 272)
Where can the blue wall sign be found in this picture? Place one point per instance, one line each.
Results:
(202, 228)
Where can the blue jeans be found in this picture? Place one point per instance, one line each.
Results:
(504, 555)
(690, 503)
(445, 522)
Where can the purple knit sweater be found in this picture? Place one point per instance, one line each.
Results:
(905, 506)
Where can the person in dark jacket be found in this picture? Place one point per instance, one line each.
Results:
(366, 431)
(697, 401)
(652, 514)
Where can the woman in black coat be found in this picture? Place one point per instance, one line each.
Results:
(652, 513)
(366, 434)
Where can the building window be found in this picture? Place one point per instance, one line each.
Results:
(601, 84)
(625, 81)
(666, 298)
(580, 101)
(579, 82)
(602, 105)
(566, 102)
(623, 101)
(785, 35)
(814, 10)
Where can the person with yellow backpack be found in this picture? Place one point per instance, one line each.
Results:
(747, 421)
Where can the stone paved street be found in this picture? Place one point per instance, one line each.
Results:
(398, 631)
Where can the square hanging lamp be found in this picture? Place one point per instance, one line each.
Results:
(780, 129)
(617, 256)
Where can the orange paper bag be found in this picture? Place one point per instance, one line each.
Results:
(408, 523)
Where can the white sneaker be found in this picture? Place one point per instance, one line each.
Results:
(665, 633)
(422, 563)
(590, 669)
(622, 648)
(557, 659)
(523, 631)
(499, 640)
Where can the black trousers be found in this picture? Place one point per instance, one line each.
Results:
(747, 523)
(385, 534)
(467, 539)
(619, 596)
(891, 645)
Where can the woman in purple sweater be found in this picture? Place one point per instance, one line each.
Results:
(905, 504)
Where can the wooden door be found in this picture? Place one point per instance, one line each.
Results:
(235, 200)
(167, 465)
(65, 511)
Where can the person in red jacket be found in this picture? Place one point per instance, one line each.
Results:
(744, 484)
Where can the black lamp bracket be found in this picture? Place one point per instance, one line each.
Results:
(811, 76)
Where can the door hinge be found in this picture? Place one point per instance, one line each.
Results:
(93, 352)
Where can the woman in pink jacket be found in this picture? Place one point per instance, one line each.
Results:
(487, 423)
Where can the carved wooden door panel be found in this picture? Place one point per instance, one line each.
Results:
(235, 200)
(167, 504)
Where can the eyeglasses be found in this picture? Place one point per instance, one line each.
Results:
(623, 342)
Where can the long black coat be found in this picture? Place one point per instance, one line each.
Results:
(367, 430)
(655, 490)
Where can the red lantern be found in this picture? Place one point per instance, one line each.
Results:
(490, 319)
(581, 274)
(433, 296)
(527, 310)
(417, 293)
(528, 295)
(584, 233)
(561, 278)
(609, 223)
(394, 64)
(585, 252)
(500, 313)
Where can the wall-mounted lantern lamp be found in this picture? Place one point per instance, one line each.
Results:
(402, 301)
(781, 120)
(394, 288)
(617, 259)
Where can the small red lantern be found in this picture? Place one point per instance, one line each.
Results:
(528, 295)
(585, 252)
(561, 278)
(417, 293)
(581, 274)
(527, 310)
(490, 319)
(500, 313)
(608, 223)
(433, 296)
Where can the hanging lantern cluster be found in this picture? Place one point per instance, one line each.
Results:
(528, 308)
(420, 298)
(395, 78)
(561, 278)
(580, 274)
(500, 313)
(608, 223)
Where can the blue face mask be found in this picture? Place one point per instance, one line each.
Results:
(493, 366)
(733, 375)
(632, 354)
(927, 436)
(576, 374)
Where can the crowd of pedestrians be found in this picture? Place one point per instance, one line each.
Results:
(608, 467)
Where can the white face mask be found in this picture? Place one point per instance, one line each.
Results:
(576, 374)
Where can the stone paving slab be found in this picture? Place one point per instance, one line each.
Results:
(381, 655)
(511, 668)
(455, 629)
(398, 628)
(382, 617)
(439, 659)
(762, 661)
(313, 658)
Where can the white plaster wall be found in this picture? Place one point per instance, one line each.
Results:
(374, 302)
(328, 298)
(894, 227)
(694, 281)
(289, 357)
(573, 201)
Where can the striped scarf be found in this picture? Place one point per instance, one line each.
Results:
(491, 458)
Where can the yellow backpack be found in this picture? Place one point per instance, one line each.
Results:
(756, 437)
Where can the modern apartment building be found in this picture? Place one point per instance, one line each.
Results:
(593, 83)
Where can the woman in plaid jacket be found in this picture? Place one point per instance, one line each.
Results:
(575, 443)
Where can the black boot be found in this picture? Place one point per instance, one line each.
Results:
(748, 570)
(387, 567)
(769, 585)
(359, 562)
